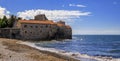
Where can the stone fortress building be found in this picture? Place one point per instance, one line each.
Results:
(40, 28)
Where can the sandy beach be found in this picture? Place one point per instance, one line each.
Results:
(11, 50)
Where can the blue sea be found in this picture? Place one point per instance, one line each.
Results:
(91, 45)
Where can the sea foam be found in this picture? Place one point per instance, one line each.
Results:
(76, 55)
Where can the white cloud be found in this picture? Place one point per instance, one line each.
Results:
(66, 15)
(77, 5)
(4, 12)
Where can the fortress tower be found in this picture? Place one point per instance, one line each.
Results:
(41, 17)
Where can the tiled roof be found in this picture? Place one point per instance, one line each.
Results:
(37, 21)
(43, 22)
(58, 24)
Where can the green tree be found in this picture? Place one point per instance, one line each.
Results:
(0, 22)
(3, 22)
(19, 18)
(11, 21)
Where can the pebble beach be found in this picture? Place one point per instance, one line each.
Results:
(12, 50)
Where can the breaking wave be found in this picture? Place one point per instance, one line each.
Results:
(76, 55)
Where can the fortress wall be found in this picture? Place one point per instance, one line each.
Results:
(10, 33)
(37, 31)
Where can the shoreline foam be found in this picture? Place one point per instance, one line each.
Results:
(12, 50)
(54, 52)
(77, 56)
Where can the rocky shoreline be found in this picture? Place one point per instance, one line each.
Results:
(12, 50)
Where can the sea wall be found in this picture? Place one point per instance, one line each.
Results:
(43, 34)
(10, 33)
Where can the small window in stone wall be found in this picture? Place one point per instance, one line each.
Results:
(25, 31)
(46, 26)
(25, 26)
(31, 26)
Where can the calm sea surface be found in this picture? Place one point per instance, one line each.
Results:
(93, 45)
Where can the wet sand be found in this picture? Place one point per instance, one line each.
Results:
(11, 50)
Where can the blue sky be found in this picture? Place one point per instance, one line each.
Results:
(90, 16)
